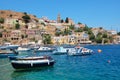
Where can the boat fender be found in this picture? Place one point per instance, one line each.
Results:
(31, 64)
(48, 62)
(67, 50)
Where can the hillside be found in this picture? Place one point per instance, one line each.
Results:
(13, 14)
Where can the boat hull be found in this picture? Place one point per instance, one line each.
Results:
(59, 53)
(31, 65)
(81, 54)
(44, 50)
(5, 55)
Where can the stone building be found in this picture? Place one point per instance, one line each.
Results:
(58, 18)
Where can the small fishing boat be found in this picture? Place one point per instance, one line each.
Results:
(9, 46)
(60, 50)
(4, 53)
(22, 49)
(79, 51)
(31, 62)
(45, 49)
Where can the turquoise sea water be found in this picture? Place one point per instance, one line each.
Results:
(93, 67)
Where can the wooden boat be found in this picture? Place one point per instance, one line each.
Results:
(31, 62)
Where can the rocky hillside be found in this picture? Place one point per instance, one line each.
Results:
(13, 14)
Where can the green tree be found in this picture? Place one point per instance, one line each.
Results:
(0, 34)
(79, 30)
(92, 37)
(99, 34)
(100, 27)
(79, 23)
(26, 18)
(33, 39)
(1, 20)
(66, 31)
(34, 15)
(25, 13)
(98, 39)
(22, 36)
(118, 33)
(89, 32)
(26, 36)
(17, 26)
(104, 35)
(1, 27)
(110, 38)
(62, 21)
(67, 20)
(43, 23)
(58, 32)
(86, 28)
(105, 40)
(46, 39)
(10, 15)
(71, 27)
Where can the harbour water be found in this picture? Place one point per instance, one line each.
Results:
(98, 66)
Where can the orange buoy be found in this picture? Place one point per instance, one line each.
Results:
(99, 50)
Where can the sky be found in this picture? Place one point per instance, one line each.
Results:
(94, 13)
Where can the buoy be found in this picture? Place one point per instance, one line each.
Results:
(99, 50)
(109, 61)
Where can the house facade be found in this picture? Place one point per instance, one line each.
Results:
(15, 35)
(82, 38)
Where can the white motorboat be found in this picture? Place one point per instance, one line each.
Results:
(45, 49)
(60, 50)
(79, 51)
(7, 52)
(22, 49)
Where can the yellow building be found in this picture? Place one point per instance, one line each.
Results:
(60, 40)
(82, 38)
